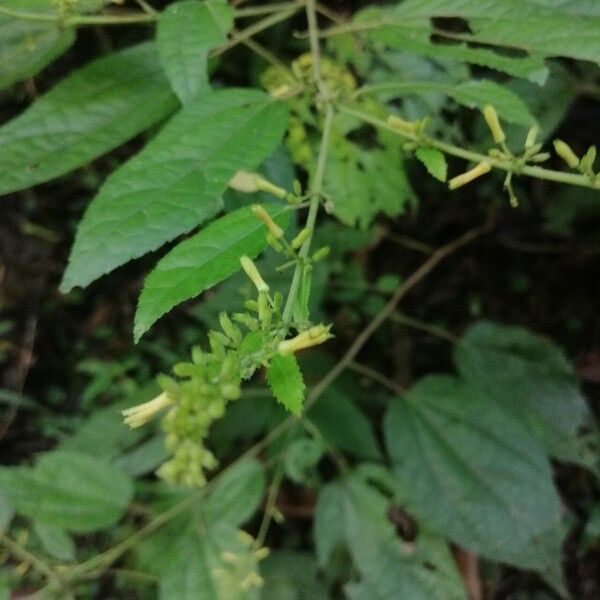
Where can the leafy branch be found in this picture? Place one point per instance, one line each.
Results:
(452, 150)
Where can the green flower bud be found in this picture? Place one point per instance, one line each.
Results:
(252, 272)
(301, 238)
(565, 152)
(321, 253)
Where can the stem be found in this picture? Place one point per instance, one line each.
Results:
(251, 31)
(38, 564)
(423, 326)
(437, 257)
(376, 376)
(531, 171)
(254, 11)
(317, 184)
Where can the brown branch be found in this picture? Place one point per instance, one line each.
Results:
(433, 261)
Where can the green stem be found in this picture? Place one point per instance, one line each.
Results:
(254, 11)
(423, 326)
(148, 16)
(530, 171)
(253, 29)
(38, 564)
(312, 213)
(317, 184)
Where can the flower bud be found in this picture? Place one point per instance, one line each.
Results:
(401, 124)
(531, 137)
(491, 118)
(587, 161)
(481, 169)
(321, 253)
(301, 238)
(266, 186)
(252, 272)
(244, 181)
(265, 218)
(565, 152)
(273, 243)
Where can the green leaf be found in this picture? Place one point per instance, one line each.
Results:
(344, 425)
(27, 46)
(472, 94)
(529, 376)
(70, 490)
(198, 570)
(286, 382)
(361, 182)
(434, 161)
(144, 458)
(237, 494)
(90, 112)
(176, 181)
(55, 540)
(300, 459)
(473, 472)
(418, 41)
(353, 513)
(522, 24)
(186, 32)
(202, 261)
(292, 575)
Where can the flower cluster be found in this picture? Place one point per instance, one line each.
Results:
(202, 388)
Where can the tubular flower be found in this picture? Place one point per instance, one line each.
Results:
(491, 118)
(252, 272)
(481, 169)
(262, 215)
(310, 337)
(142, 413)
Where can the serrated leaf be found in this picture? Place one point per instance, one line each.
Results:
(202, 261)
(176, 181)
(68, 489)
(344, 425)
(186, 32)
(528, 375)
(198, 570)
(90, 112)
(353, 513)
(434, 161)
(472, 94)
(522, 24)
(418, 41)
(472, 471)
(293, 575)
(55, 540)
(236, 494)
(361, 183)
(286, 382)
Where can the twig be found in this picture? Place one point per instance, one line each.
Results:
(438, 256)
(504, 165)
(423, 326)
(38, 564)
(376, 376)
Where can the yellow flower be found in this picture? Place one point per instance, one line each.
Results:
(310, 337)
(265, 217)
(252, 272)
(491, 118)
(142, 413)
(481, 169)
